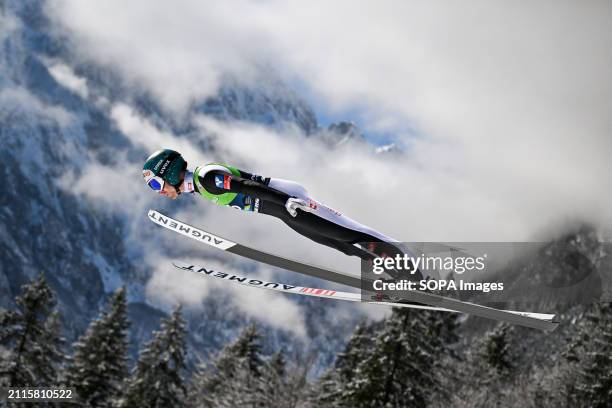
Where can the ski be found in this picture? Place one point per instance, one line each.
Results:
(534, 320)
(224, 244)
(296, 290)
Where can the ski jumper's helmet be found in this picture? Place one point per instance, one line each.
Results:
(167, 164)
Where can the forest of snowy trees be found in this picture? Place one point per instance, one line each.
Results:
(410, 359)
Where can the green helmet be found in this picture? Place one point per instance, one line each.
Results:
(167, 164)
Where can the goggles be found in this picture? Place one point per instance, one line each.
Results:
(153, 181)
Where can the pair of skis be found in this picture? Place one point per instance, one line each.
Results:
(425, 300)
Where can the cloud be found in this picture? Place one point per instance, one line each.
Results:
(169, 285)
(131, 37)
(15, 99)
(64, 75)
(142, 133)
(114, 186)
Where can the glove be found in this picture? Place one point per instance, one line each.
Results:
(293, 204)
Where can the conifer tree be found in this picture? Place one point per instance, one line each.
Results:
(278, 364)
(99, 365)
(355, 352)
(276, 386)
(593, 387)
(157, 380)
(332, 387)
(489, 367)
(248, 348)
(232, 378)
(399, 369)
(497, 352)
(285, 384)
(32, 334)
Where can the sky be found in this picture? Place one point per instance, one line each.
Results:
(502, 106)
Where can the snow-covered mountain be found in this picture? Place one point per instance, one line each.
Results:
(45, 134)
(338, 134)
(55, 120)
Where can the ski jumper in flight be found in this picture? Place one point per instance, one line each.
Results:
(165, 171)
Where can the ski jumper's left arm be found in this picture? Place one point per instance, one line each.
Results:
(219, 182)
(227, 186)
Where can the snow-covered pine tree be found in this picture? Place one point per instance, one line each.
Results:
(332, 387)
(497, 349)
(232, 378)
(157, 380)
(443, 326)
(31, 333)
(278, 364)
(99, 365)
(282, 384)
(274, 381)
(487, 375)
(355, 352)
(567, 369)
(248, 348)
(399, 369)
(594, 384)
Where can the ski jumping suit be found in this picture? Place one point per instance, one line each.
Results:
(226, 185)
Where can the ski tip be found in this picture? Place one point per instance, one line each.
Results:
(550, 321)
(553, 326)
(555, 323)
